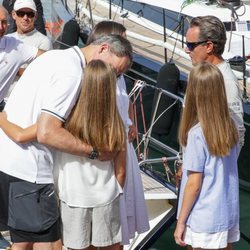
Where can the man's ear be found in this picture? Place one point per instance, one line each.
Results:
(210, 47)
(13, 14)
(104, 47)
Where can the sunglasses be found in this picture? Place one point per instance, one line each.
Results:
(29, 14)
(192, 45)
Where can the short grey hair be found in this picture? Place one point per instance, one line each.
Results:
(119, 45)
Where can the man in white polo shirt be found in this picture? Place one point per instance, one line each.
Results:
(13, 54)
(45, 95)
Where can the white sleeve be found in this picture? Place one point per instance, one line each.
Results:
(27, 52)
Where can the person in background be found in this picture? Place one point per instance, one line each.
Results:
(205, 42)
(208, 206)
(134, 216)
(39, 22)
(45, 95)
(90, 204)
(14, 53)
(24, 14)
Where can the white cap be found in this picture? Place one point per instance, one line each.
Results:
(20, 4)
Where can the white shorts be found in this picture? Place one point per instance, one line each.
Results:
(98, 226)
(213, 240)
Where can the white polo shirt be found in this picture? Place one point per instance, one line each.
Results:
(13, 54)
(50, 84)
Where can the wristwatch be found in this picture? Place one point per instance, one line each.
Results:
(93, 154)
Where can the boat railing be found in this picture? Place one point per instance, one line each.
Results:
(147, 140)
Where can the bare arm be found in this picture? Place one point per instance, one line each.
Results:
(131, 111)
(15, 132)
(50, 131)
(39, 52)
(132, 129)
(120, 167)
(191, 193)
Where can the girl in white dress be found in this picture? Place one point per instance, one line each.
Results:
(133, 208)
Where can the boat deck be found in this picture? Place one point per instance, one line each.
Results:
(154, 190)
(145, 48)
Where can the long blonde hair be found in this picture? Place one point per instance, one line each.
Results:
(206, 102)
(95, 118)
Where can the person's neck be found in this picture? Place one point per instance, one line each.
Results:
(88, 52)
(20, 32)
(215, 59)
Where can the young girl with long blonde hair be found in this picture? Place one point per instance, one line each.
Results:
(133, 210)
(208, 208)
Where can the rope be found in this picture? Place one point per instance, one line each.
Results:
(168, 171)
(138, 86)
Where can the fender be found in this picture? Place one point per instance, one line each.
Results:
(167, 79)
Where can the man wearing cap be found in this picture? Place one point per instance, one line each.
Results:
(24, 14)
(39, 23)
(13, 54)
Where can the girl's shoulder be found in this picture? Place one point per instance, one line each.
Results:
(195, 130)
(195, 133)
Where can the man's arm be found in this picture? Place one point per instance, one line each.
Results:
(39, 52)
(50, 131)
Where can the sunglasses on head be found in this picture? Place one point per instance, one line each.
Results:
(192, 45)
(30, 14)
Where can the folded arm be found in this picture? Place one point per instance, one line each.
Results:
(15, 132)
